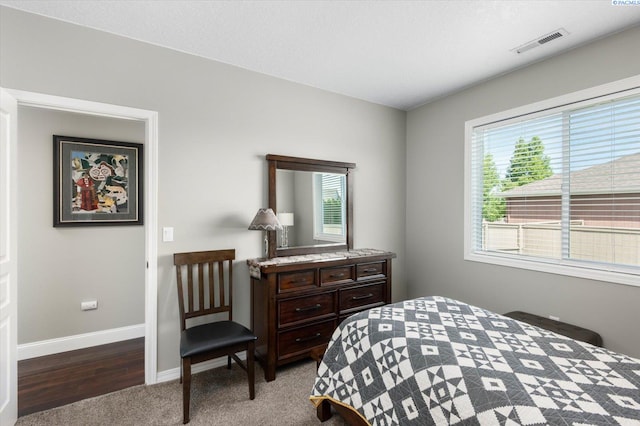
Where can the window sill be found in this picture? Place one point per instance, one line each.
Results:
(627, 278)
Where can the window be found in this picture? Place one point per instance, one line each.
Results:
(329, 207)
(555, 186)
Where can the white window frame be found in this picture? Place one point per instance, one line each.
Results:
(621, 275)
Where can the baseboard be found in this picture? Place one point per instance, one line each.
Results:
(79, 341)
(174, 373)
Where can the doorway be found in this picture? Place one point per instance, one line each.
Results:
(149, 118)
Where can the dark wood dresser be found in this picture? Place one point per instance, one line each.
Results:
(298, 301)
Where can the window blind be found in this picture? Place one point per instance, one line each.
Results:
(331, 190)
(560, 185)
(332, 199)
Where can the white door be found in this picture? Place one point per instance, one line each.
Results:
(8, 263)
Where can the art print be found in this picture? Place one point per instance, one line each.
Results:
(97, 182)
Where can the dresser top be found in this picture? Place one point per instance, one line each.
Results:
(262, 263)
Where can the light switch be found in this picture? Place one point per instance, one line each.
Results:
(167, 234)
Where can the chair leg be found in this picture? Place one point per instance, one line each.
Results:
(251, 370)
(228, 362)
(186, 389)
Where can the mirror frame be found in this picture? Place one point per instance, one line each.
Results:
(276, 162)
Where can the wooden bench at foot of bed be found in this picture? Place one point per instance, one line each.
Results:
(569, 330)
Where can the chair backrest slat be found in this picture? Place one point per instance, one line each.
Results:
(200, 296)
(220, 279)
(200, 287)
(180, 297)
(230, 298)
(190, 286)
(212, 290)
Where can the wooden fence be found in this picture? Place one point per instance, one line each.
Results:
(601, 244)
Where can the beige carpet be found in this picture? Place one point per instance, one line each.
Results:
(218, 397)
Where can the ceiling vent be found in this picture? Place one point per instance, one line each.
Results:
(554, 35)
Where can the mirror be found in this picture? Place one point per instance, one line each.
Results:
(311, 208)
(313, 200)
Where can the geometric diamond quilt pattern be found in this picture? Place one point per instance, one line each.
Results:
(435, 360)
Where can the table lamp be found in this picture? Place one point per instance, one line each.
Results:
(265, 220)
(286, 220)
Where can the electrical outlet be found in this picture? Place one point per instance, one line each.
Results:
(554, 318)
(89, 305)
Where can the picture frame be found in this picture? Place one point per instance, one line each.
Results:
(97, 182)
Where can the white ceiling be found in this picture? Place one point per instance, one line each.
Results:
(396, 53)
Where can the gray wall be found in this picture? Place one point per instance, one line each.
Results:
(61, 267)
(304, 205)
(435, 240)
(216, 123)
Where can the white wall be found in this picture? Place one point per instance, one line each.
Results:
(61, 267)
(435, 148)
(216, 123)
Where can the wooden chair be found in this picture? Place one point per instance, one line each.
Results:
(201, 291)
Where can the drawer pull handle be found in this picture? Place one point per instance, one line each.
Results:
(306, 339)
(298, 281)
(366, 271)
(336, 275)
(309, 308)
(366, 296)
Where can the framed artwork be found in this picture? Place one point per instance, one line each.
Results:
(97, 182)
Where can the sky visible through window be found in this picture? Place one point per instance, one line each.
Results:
(607, 132)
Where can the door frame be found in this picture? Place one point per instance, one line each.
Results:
(8, 260)
(150, 118)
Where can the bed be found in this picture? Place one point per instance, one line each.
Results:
(435, 360)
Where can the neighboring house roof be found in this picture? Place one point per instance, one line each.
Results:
(614, 177)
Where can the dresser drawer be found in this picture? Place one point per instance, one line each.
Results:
(368, 270)
(292, 311)
(300, 340)
(361, 296)
(339, 275)
(291, 281)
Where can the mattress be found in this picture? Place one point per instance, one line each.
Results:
(435, 360)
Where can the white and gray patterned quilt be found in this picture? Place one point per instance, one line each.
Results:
(439, 361)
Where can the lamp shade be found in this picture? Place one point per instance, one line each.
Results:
(265, 220)
(286, 219)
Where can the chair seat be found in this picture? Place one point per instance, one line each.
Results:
(208, 337)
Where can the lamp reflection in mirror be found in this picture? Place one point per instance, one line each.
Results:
(286, 220)
(265, 220)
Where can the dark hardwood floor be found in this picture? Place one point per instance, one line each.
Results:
(54, 380)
